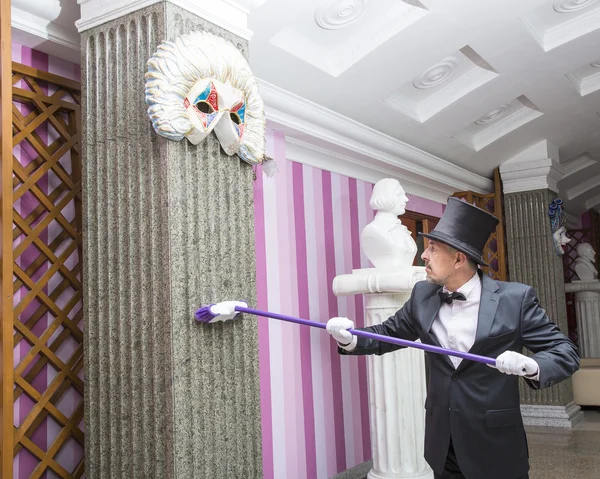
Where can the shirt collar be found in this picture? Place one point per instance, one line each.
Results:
(469, 286)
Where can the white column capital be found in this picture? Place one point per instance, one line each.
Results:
(229, 14)
(535, 168)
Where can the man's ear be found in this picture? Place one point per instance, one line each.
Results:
(461, 259)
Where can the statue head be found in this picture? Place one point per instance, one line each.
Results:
(389, 196)
(585, 250)
(201, 83)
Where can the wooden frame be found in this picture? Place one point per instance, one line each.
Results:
(410, 218)
(47, 260)
(429, 222)
(6, 352)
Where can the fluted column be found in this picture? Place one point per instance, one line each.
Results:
(397, 393)
(397, 382)
(167, 227)
(587, 307)
(532, 260)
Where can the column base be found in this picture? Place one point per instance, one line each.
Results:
(359, 471)
(551, 416)
(400, 475)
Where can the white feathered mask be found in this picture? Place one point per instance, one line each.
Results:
(201, 83)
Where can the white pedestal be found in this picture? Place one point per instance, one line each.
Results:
(396, 401)
(587, 305)
(396, 381)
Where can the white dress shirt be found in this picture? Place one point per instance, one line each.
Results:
(455, 325)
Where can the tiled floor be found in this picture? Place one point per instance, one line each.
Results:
(566, 453)
(553, 453)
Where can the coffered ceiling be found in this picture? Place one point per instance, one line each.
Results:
(471, 82)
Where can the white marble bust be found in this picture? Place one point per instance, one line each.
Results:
(387, 243)
(584, 263)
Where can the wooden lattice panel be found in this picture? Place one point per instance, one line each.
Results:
(494, 252)
(45, 229)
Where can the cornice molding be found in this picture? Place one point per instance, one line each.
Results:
(584, 187)
(229, 14)
(43, 28)
(577, 164)
(299, 118)
(518, 176)
(309, 154)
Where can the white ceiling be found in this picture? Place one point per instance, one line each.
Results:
(474, 82)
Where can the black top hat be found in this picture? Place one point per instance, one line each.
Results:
(465, 227)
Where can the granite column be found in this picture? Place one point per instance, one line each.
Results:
(529, 184)
(168, 226)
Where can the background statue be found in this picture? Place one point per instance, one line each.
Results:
(584, 263)
(386, 241)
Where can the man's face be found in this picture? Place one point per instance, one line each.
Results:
(439, 262)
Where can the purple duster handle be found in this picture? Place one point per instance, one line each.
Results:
(377, 337)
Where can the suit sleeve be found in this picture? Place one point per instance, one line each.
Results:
(555, 353)
(400, 325)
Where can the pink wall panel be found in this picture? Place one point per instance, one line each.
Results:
(314, 402)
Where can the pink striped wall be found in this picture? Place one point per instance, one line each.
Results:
(24, 463)
(314, 402)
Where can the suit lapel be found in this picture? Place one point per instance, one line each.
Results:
(487, 313)
(429, 314)
(431, 310)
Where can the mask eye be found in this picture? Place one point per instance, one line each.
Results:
(235, 118)
(205, 107)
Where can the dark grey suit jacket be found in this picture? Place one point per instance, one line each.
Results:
(477, 405)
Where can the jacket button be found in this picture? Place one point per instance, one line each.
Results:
(455, 377)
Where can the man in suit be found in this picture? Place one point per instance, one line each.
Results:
(473, 423)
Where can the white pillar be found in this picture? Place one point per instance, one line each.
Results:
(396, 401)
(396, 380)
(587, 305)
(587, 308)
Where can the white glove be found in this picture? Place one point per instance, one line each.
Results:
(511, 362)
(226, 310)
(337, 328)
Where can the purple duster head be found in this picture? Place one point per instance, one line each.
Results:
(205, 315)
(219, 311)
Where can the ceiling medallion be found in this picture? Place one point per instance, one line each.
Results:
(570, 6)
(337, 14)
(437, 74)
(493, 115)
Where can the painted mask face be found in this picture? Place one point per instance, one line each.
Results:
(214, 105)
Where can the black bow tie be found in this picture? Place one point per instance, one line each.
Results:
(449, 297)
